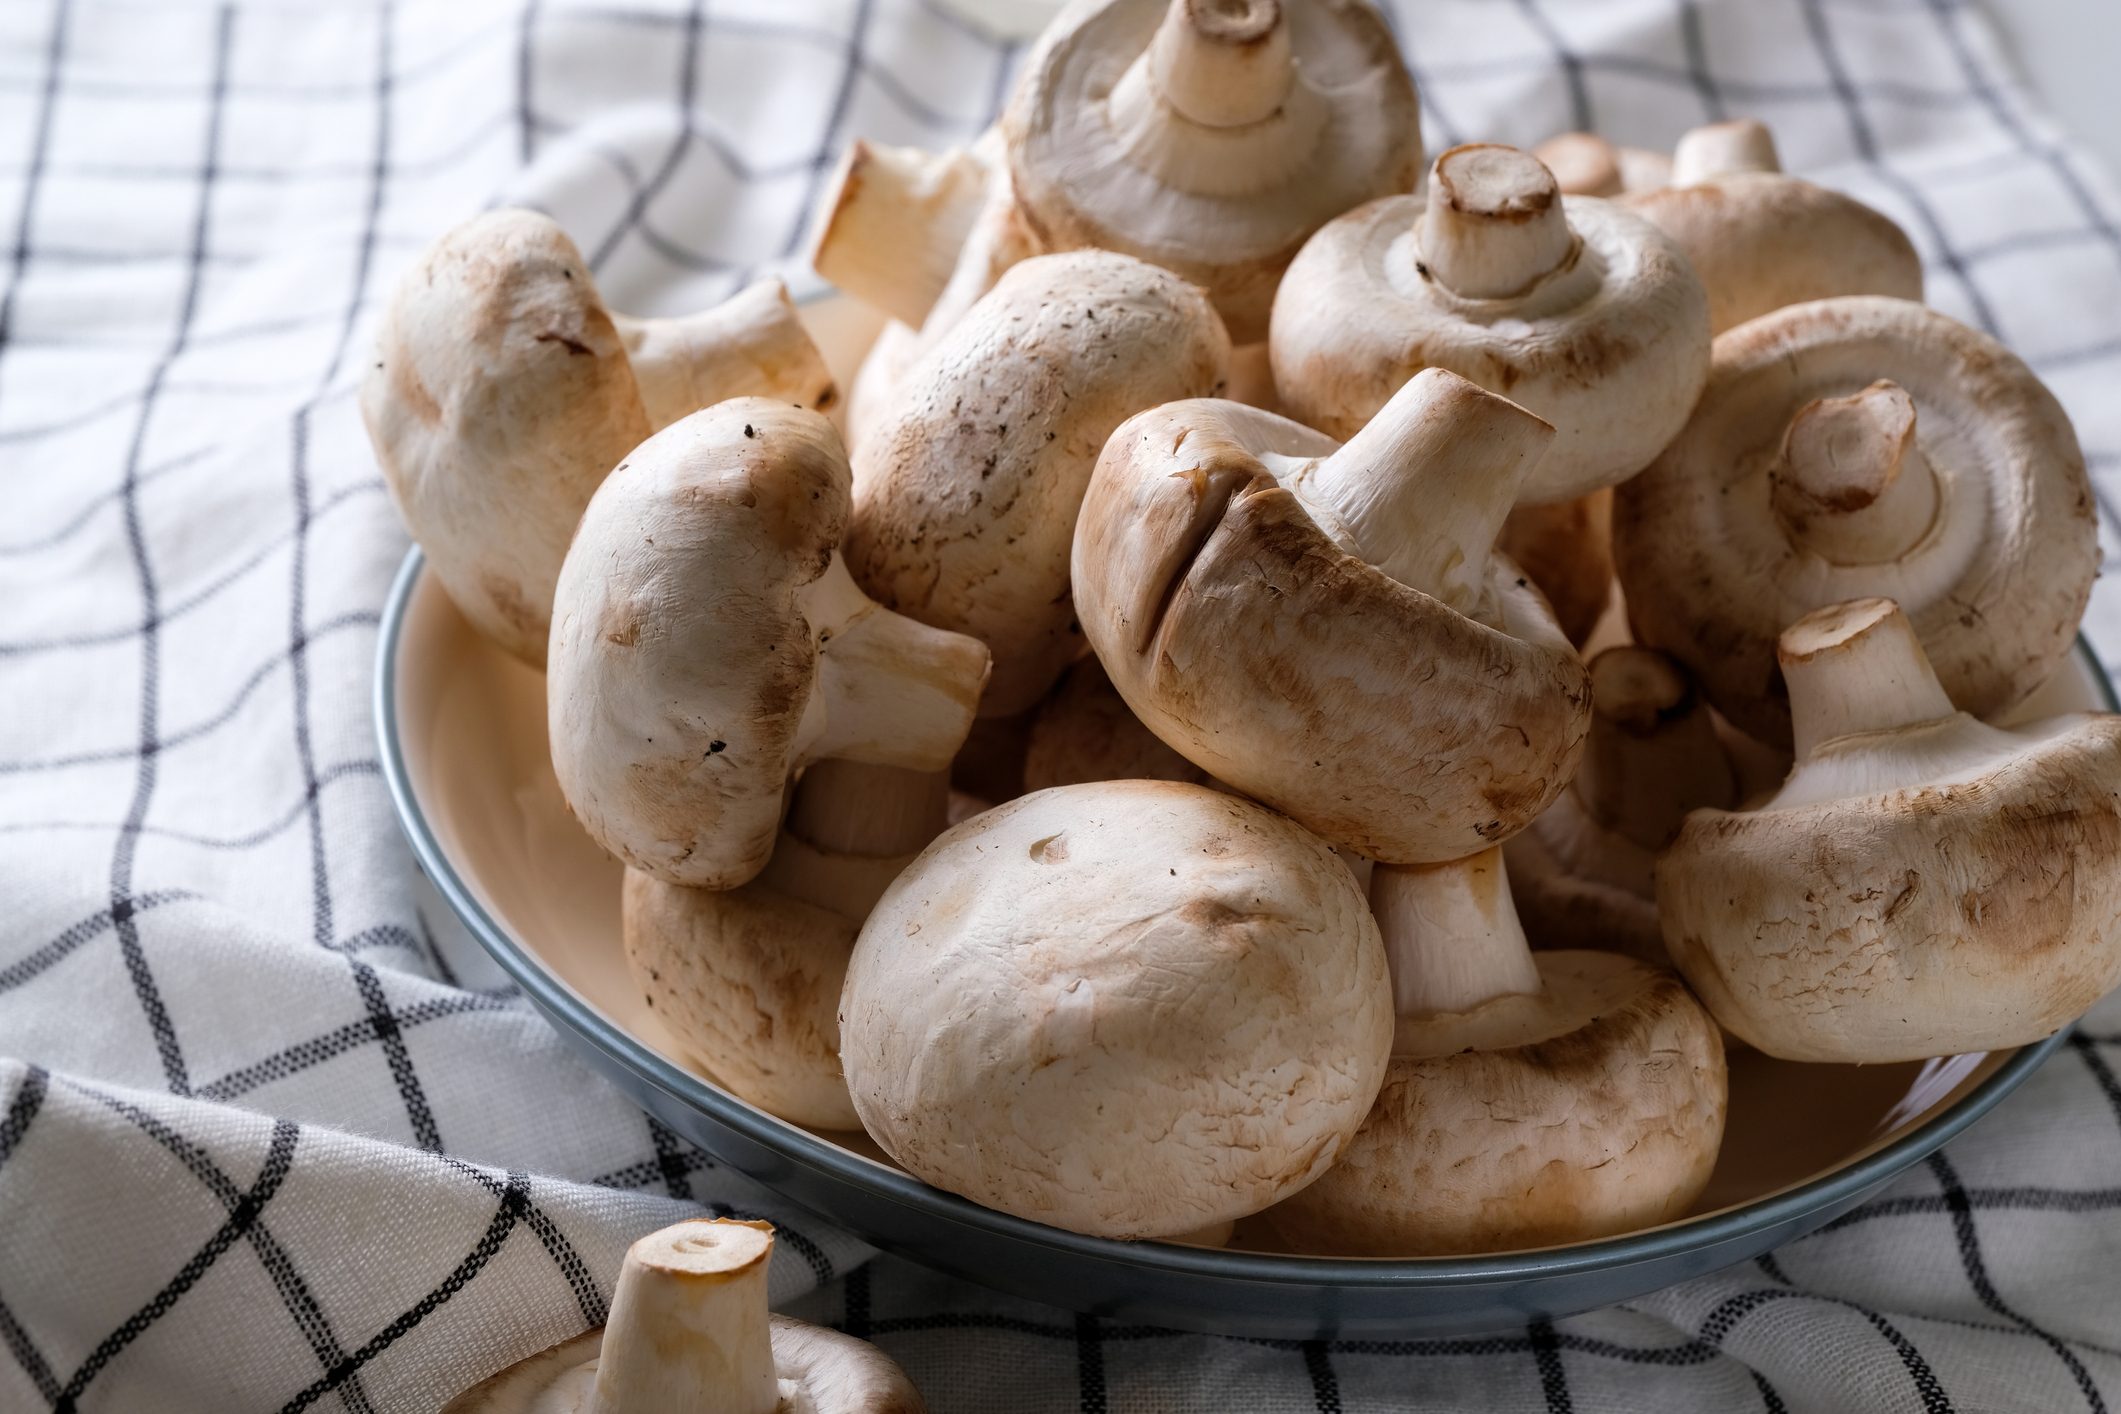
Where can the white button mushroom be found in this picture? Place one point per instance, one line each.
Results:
(1923, 884)
(1584, 874)
(748, 979)
(689, 1331)
(1585, 164)
(707, 642)
(1131, 1009)
(502, 391)
(1567, 549)
(1856, 447)
(1325, 628)
(1761, 240)
(1576, 308)
(891, 231)
(1210, 136)
(1532, 1099)
(1085, 731)
(967, 488)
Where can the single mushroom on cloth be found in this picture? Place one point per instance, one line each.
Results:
(1211, 137)
(707, 643)
(1923, 885)
(1761, 239)
(1856, 447)
(1576, 308)
(748, 979)
(502, 392)
(1584, 874)
(1326, 628)
(1533, 1098)
(1130, 1009)
(967, 487)
(689, 1331)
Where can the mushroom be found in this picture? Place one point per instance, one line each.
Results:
(707, 642)
(1854, 447)
(689, 1330)
(967, 488)
(1583, 874)
(1762, 240)
(1086, 732)
(892, 230)
(1585, 164)
(1129, 1009)
(1325, 627)
(1924, 884)
(502, 391)
(1532, 1099)
(1210, 136)
(748, 979)
(1576, 308)
(1567, 549)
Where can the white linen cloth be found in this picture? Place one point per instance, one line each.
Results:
(274, 1136)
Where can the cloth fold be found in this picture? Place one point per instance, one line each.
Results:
(275, 1135)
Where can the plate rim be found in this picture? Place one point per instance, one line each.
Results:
(1672, 1240)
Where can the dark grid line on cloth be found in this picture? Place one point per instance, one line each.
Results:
(301, 1056)
(329, 776)
(1716, 1328)
(670, 1158)
(22, 1110)
(1089, 1366)
(573, 1270)
(40, 150)
(80, 934)
(1568, 61)
(1553, 1375)
(688, 87)
(2102, 1073)
(296, 1298)
(45, 540)
(1696, 41)
(1325, 1385)
(829, 141)
(124, 853)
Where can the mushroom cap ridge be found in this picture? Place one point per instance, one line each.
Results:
(1130, 1009)
(1252, 643)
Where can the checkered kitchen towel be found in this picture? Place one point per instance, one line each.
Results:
(273, 1136)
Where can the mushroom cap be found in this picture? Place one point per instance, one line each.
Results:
(1578, 884)
(834, 1373)
(1996, 586)
(1764, 240)
(499, 397)
(1085, 731)
(967, 486)
(1129, 1009)
(1239, 201)
(1976, 908)
(1611, 348)
(1567, 549)
(1586, 164)
(1592, 1107)
(1245, 637)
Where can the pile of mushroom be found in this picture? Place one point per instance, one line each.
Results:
(1097, 788)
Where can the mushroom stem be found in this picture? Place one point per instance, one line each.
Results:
(1652, 753)
(853, 808)
(1222, 63)
(1857, 667)
(751, 344)
(1422, 490)
(1451, 934)
(891, 234)
(1723, 150)
(1494, 225)
(688, 1327)
(890, 690)
(1852, 485)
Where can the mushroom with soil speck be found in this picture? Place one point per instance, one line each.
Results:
(1326, 628)
(1923, 884)
(689, 1330)
(1130, 1009)
(708, 643)
(1532, 1099)
(1574, 307)
(1857, 447)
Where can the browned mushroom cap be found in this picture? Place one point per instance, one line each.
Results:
(707, 643)
(689, 1330)
(1210, 136)
(1855, 447)
(1583, 875)
(1086, 732)
(1923, 884)
(1289, 613)
(1585, 164)
(1762, 240)
(1567, 549)
(1532, 1099)
(748, 979)
(967, 487)
(1576, 308)
(502, 391)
